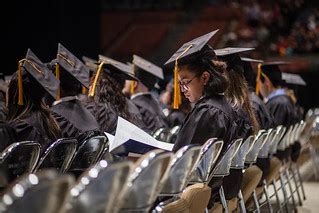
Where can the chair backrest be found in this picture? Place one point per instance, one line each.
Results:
(223, 166)
(277, 137)
(97, 188)
(145, 181)
(17, 159)
(251, 157)
(41, 192)
(209, 154)
(264, 151)
(173, 134)
(182, 165)
(58, 155)
(284, 142)
(88, 153)
(158, 133)
(238, 161)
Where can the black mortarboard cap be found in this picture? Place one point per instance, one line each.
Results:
(90, 63)
(147, 72)
(291, 78)
(124, 69)
(40, 73)
(272, 71)
(231, 55)
(249, 73)
(192, 47)
(73, 65)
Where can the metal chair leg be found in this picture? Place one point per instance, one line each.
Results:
(256, 201)
(290, 188)
(276, 193)
(267, 196)
(314, 159)
(223, 199)
(301, 183)
(241, 202)
(282, 183)
(293, 171)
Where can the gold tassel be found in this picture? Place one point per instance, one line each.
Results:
(177, 91)
(57, 75)
(20, 86)
(258, 79)
(132, 82)
(95, 79)
(84, 90)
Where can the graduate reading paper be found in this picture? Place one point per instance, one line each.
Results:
(134, 138)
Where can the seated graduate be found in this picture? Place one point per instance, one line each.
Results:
(106, 100)
(263, 116)
(27, 112)
(7, 135)
(237, 94)
(278, 102)
(73, 117)
(140, 91)
(203, 81)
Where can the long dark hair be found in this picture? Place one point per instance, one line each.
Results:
(206, 61)
(238, 94)
(108, 90)
(33, 95)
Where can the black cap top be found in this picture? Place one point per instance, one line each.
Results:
(41, 73)
(90, 63)
(231, 56)
(111, 64)
(291, 78)
(195, 46)
(272, 71)
(73, 65)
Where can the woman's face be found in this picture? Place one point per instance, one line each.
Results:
(192, 85)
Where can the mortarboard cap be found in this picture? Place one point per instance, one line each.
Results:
(73, 65)
(272, 70)
(291, 78)
(249, 74)
(146, 72)
(122, 68)
(231, 55)
(191, 47)
(33, 66)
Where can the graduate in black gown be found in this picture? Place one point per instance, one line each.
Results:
(237, 94)
(203, 81)
(262, 113)
(27, 113)
(278, 102)
(106, 100)
(140, 93)
(263, 116)
(73, 117)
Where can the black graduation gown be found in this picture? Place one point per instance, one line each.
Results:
(29, 129)
(3, 113)
(284, 113)
(176, 118)
(282, 110)
(151, 112)
(7, 135)
(210, 117)
(135, 114)
(232, 182)
(262, 113)
(74, 119)
(104, 115)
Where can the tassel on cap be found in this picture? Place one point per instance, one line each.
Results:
(95, 79)
(132, 83)
(57, 75)
(258, 79)
(177, 91)
(84, 90)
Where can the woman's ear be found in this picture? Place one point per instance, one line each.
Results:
(205, 77)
